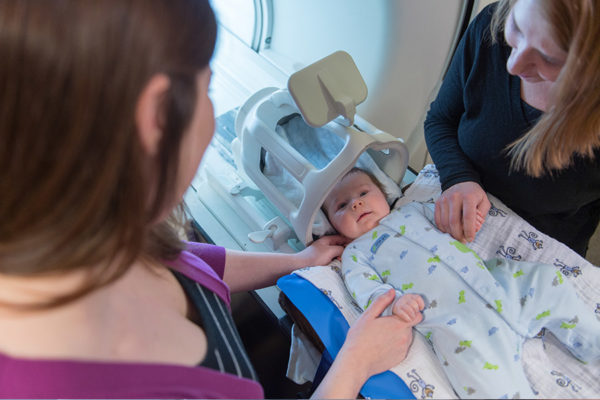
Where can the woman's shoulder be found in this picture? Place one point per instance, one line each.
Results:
(480, 25)
(488, 11)
(205, 264)
(198, 259)
(212, 255)
(484, 17)
(484, 58)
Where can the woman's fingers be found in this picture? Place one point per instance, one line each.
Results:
(380, 303)
(442, 214)
(470, 224)
(455, 217)
(461, 209)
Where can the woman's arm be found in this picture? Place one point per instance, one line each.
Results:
(252, 270)
(373, 345)
(463, 197)
(453, 103)
(442, 123)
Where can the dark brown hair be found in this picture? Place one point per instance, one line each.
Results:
(74, 179)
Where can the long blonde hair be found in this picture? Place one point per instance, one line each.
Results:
(571, 125)
(74, 179)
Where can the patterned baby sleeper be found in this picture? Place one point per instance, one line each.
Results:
(477, 312)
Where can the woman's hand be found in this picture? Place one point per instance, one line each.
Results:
(373, 345)
(461, 210)
(379, 343)
(322, 251)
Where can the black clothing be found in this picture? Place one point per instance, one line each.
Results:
(477, 113)
(225, 352)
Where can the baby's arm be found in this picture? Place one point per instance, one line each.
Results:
(408, 308)
(362, 281)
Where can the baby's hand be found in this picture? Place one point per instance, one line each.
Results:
(408, 308)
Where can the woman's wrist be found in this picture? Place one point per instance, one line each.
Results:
(303, 258)
(357, 370)
(296, 261)
(345, 378)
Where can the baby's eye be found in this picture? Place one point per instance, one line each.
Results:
(364, 192)
(341, 205)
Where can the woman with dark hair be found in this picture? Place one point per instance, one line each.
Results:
(104, 118)
(517, 116)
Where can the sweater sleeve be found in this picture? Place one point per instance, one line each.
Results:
(447, 110)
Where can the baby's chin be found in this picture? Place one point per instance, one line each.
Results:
(361, 232)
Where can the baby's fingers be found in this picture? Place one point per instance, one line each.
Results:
(405, 315)
(415, 301)
(420, 302)
(416, 319)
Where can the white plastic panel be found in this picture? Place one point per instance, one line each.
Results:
(401, 48)
(239, 17)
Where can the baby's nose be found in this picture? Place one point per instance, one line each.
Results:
(357, 203)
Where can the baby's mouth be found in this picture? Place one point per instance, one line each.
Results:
(363, 215)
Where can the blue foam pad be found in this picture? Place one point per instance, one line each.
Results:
(331, 326)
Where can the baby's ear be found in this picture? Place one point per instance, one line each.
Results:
(333, 231)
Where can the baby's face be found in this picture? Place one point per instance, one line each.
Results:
(355, 205)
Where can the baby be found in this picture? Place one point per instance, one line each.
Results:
(476, 313)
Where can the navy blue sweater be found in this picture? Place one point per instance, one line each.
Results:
(477, 113)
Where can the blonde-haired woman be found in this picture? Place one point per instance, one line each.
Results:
(518, 116)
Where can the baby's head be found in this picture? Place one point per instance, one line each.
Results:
(356, 204)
